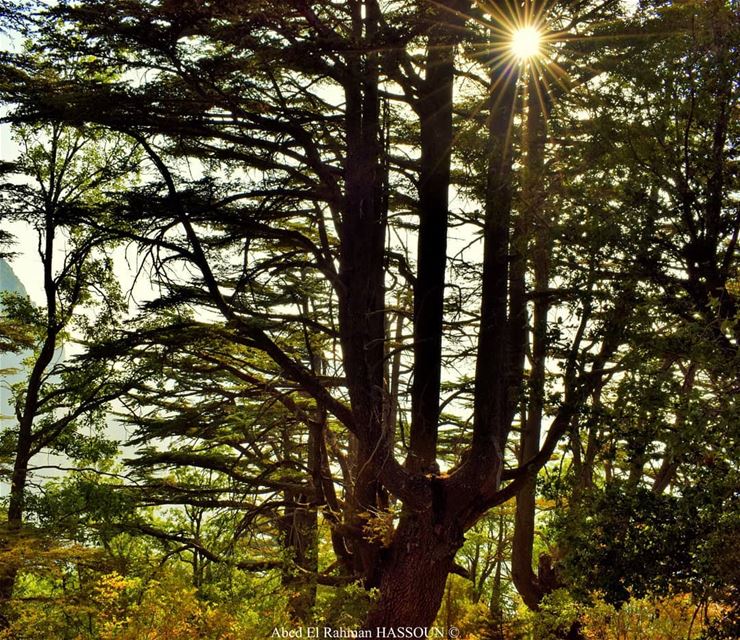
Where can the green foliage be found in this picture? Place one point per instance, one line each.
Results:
(558, 612)
(344, 606)
(676, 616)
(233, 374)
(108, 606)
(635, 543)
(82, 507)
(21, 323)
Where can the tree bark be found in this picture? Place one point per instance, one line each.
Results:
(414, 572)
(435, 119)
(534, 223)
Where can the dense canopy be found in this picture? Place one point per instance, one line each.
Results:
(371, 315)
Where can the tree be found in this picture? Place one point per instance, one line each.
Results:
(658, 446)
(56, 400)
(332, 164)
(265, 470)
(437, 507)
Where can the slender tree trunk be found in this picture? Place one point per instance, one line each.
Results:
(9, 572)
(300, 538)
(534, 223)
(672, 455)
(496, 606)
(299, 524)
(533, 587)
(27, 413)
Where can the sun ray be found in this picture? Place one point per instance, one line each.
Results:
(522, 40)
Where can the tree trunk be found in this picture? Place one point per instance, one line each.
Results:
(496, 606)
(300, 540)
(9, 572)
(535, 224)
(30, 404)
(435, 121)
(16, 503)
(414, 572)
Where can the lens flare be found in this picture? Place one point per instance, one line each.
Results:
(525, 43)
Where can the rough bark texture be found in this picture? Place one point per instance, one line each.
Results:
(414, 572)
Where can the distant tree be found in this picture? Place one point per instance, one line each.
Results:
(59, 171)
(252, 440)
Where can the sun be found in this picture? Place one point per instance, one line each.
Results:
(525, 42)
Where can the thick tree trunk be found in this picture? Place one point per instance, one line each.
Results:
(435, 120)
(493, 391)
(361, 270)
(414, 572)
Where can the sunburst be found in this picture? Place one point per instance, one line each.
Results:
(524, 45)
(525, 42)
